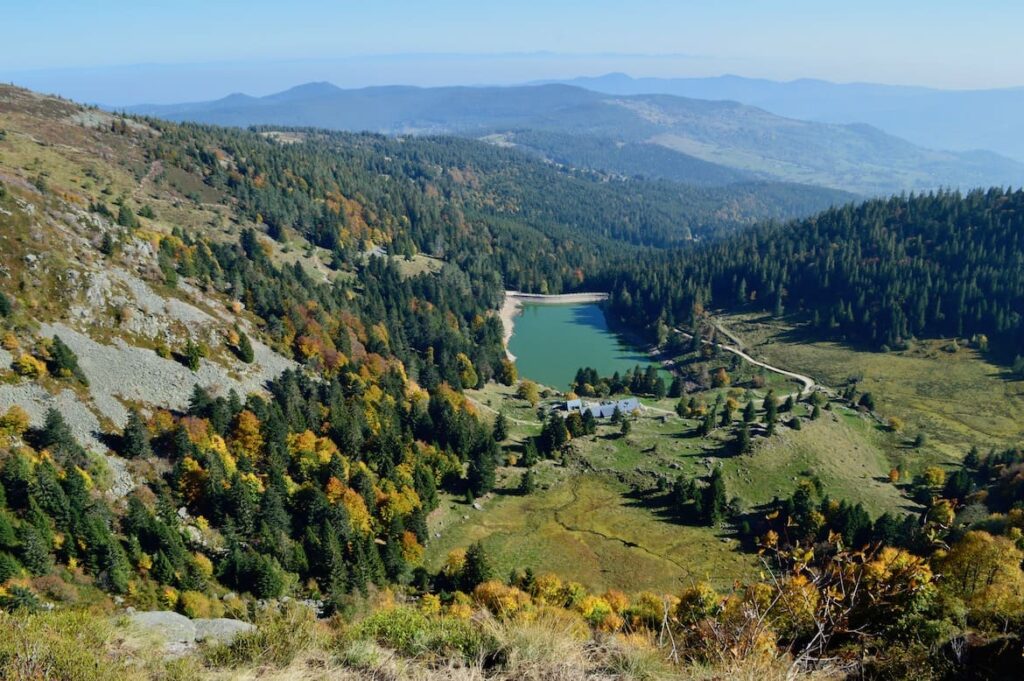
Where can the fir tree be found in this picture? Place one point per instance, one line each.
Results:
(477, 569)
(135, 441)
(500, 432)
(528, 483)
(245, 350)
(481, 473)
(714, 499)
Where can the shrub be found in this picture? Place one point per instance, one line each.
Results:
(28, 366)
(410, 632)
(194, 604)
(634, 657)
(501, 599)
(18, 599)
(62, 644)
(281, 635)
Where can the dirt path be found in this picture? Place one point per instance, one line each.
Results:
(807, 382)
(494, 411)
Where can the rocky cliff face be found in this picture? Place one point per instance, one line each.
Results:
(93, 277)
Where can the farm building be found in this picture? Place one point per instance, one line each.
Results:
(603, 410)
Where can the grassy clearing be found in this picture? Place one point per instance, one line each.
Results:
(959, 399)
(418, 264)
(585, 527)
(844, 449)
(590, 527)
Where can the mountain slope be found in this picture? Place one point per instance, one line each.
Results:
(852, 157)
(880, 273)
(960, 120)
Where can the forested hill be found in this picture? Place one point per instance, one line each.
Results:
(457, 198)
(744, 139)
(229, 361)
(943, 264)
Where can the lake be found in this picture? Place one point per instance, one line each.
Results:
(551, 342)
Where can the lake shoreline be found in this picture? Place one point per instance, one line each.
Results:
(514, 300)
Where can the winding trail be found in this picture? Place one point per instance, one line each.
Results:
(807, 382)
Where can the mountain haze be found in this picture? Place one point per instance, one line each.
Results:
(759, 144)
(960, 120)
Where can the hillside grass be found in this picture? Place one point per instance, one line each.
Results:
(592, 518)
(958, 399)
(584, 526)
(848, 452)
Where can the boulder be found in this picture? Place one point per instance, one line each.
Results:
(180, 634)
(220, 629)
(170, 626)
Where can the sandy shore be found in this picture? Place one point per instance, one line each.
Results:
(514, 302)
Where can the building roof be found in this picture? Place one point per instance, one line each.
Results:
(604, 410)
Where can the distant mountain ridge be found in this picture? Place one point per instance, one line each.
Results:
(959, 120)
(742, 139)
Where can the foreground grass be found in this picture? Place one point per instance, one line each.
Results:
(394, 642)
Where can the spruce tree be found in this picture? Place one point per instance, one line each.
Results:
(135, 441)
(394, 560)
(528, 483)
(245, 350)
(500, 427)
(714, 499)
(481, 474)
(477, 569)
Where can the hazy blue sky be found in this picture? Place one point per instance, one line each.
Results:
(200, 48)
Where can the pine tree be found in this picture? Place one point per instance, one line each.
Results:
(477, 569)
(193, 354)
(500, 427)
(481, 473)
(676, 388)
(530, 454)
(8, 536)
(528, 483)
(135, 441)
(714, 499)
(126, 218)
(163, 571)
(394, 561)
(35, 550)
(9, 567)
(245, 350)
(743, 443)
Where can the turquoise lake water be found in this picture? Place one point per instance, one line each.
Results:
(551, 342)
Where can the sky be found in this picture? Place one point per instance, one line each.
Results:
(120, 52)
